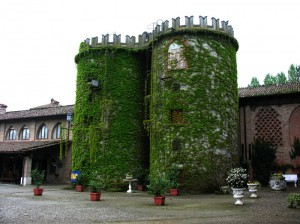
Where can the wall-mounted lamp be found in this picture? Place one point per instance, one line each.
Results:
(94, 83)
(69, 117)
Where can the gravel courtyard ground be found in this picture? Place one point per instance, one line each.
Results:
(60, 204)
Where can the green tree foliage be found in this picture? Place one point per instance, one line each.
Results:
(281, 78)
(294, 73)
(263, 160)
(254, 82)
(270, 79)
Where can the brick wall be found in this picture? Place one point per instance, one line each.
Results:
(289, 116)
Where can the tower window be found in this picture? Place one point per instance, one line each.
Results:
(177, 117)
(176, 144)
(176, 59)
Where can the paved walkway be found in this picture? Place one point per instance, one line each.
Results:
(60, 204)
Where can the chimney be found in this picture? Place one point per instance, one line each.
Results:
(54, 102)
(2, 108)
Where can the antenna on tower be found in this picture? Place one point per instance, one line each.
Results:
(154, 24)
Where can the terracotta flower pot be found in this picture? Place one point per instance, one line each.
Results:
(174, 192)
(159, 200)
(38, 191)
(95, 196)
(140, 187)
(79, 188)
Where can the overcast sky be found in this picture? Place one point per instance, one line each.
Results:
(39, 39)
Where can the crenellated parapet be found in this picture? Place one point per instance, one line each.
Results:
(161, 29)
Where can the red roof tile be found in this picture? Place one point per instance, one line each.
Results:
(24, 146)
(38, 112)
(269, 90)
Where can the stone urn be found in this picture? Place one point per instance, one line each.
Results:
(253, 187)
(277, 183)
(238, 194)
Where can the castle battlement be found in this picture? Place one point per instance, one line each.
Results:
(160, 29)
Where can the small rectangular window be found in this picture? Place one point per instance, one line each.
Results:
(176, 145)
(177, 117)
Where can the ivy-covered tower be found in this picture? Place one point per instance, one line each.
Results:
(194, 102)
(108, 125)
(179, 83)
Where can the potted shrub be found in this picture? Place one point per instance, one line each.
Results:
(142, 176)
(81, 181)
(38, 178)
(174, 188)
(158, 187)
(277, 182)
(293, 200)
(253, 187)
(237, 180)
(95, 187)
(172, 175)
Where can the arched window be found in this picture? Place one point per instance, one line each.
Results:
(43, 132)
(295, 124)
(176, 58)
(11, 134)
(24, 133)
(56, 131)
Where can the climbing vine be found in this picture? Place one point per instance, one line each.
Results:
(204, 93)
(188, 105)
(108, 122)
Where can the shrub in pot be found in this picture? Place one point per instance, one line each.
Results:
(81, 182)
(141, 175)
(38, 178)
(172, 175)
(237, 180)
(95, 187)
(158, 187)
(293, 200)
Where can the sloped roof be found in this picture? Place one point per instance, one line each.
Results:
(38, 112)
(269, 90)
(24, 146)
(53, 103)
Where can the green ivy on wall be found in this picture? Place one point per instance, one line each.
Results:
(108, 123)
(208, 97)
(188, 106)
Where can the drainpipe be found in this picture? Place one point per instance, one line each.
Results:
(245, 132)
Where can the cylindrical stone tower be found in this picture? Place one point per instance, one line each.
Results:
(194, 102)
(108, 116)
